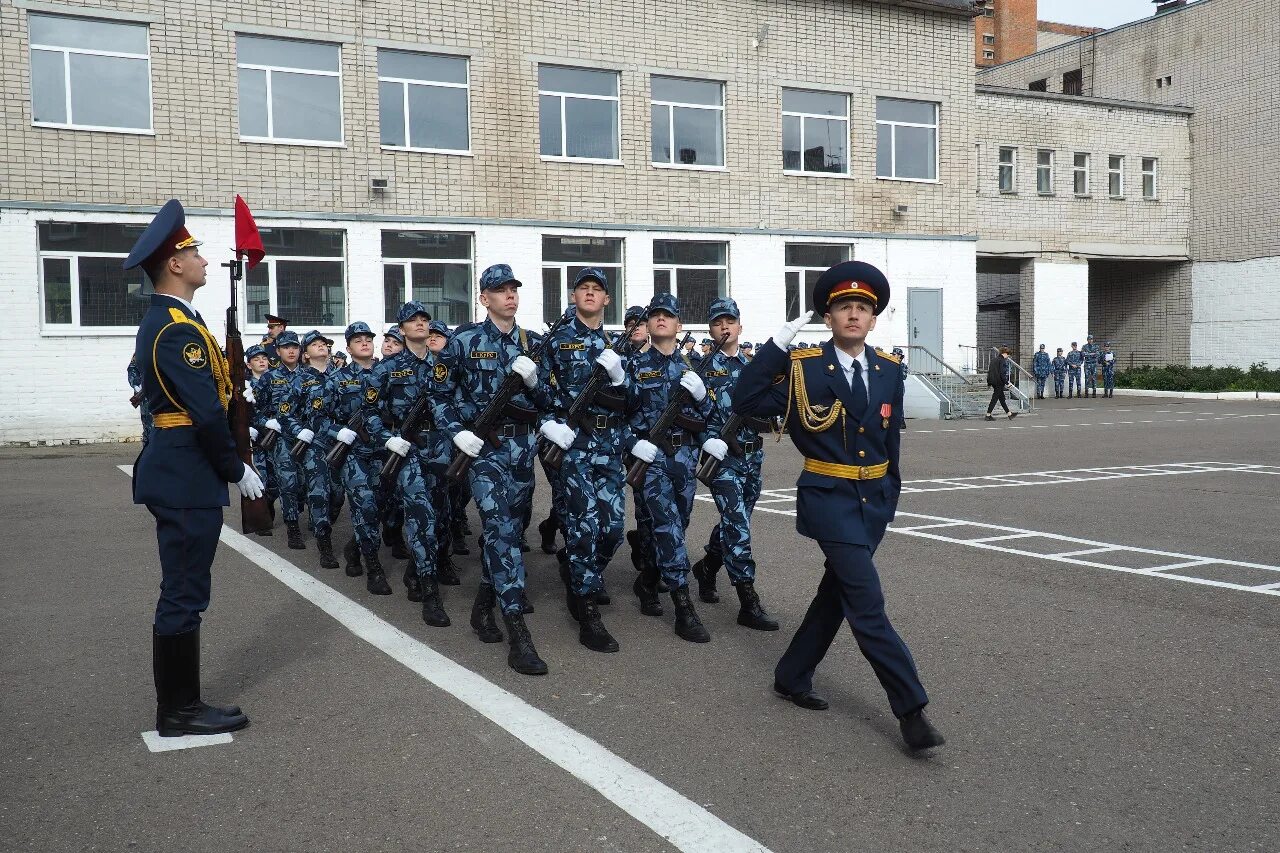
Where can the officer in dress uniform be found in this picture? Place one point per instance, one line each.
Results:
(182, 472)
(275, 327)
(843, 407)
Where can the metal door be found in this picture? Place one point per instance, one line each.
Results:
(924, 318)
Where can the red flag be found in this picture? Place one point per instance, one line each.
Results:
(248, 240)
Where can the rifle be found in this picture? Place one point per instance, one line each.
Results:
(337, 454)
(578, 414)
(136, 399)
(709, 466)
(255, 513)
(512, 384)
(415, 421)
(660, 434)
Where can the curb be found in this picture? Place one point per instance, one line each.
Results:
(1199, 395)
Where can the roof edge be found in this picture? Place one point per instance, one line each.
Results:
(958, 8)
(1175, 109)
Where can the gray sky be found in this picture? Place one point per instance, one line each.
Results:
(1095, 13)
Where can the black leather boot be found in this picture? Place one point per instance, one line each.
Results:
(752, 615)
(432, 610)
(688, 625)
(602, 595)
(482, 615)
(705, 571)
(175, 663)
(566, 578)
(547, 529)
(351, 553)
(524, 543)
(526, 606)
(412, 589)
(642, 558)
(447, 572)
(459, 535)
(649, 603)
(918, 732)
(399, 550)
(635, 542)
(376, 582)
(295, 536)
(522, 657)
(591, 631)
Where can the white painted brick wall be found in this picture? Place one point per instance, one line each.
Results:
(1236, 313)
(1061, 306)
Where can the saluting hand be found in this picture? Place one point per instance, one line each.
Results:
(788, 332)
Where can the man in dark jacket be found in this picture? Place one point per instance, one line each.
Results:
(998, 375)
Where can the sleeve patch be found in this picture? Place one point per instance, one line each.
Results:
(317, 403)
(193, 355)
(440, 373)
(284, 408)
(371, 395)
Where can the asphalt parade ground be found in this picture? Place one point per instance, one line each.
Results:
(1091, 593)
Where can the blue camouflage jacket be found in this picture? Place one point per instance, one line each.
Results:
(1091, 353)
(274, 396)
(344, 397)
(475, 361)
(390, 390)
(653, 377)
(1075, 358)
(308, 409)
(571, 358)
(720, 380)
(1059, 365)
(1041, 364)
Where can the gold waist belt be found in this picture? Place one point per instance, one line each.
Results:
(168, 420)
(846, 472)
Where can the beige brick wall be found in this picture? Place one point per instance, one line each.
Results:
(858, 47)
(1144, 309)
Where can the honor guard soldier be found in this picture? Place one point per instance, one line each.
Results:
(1041, 366)
(1074, 359)
(843, 408)
(1108, 361)
(1059, 365)
(307, 422)
(737, 484)
(275, 327)
(181, 475)
(273, 399)
(655, 375)
(1091, 355)
(474, 365)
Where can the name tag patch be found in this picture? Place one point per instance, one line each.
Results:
(648, 374)
(576, 345)
(480, 353)
(401, 374)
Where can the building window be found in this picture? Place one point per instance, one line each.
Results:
(90, 74)
(906, 139)
(696, 272)
(290, 91)
(988, 54)
(1080, 174)
(1115, 176)
(423, 102)
(1073, 82)
(433, 267)
(815, 132)
(1044, 172)
(81, 283)
(564, 257)
(1007, 170)
(303, 278)
(988, 12)
(1150, 180)
(1038, 85)
(578, 113)
(988, 39)
(804, 263)
(688, 122)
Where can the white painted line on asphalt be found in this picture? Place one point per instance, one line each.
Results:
(155, 743)
(1084, 551)
(920, 526)
(993, 538)
(1269, 586)
(1184, 565)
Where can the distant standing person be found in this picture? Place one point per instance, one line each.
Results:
(1059, 373)
(998, 379)
(1108, 371)
(1091, 355)
(1075, 358)
(1041, 366)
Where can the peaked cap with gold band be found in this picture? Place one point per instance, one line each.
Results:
(163, 238)
(854, 279)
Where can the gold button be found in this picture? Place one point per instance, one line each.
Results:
(862, 453)
(862, 429)
(864, 500)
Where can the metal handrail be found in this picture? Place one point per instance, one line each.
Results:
(910, 347)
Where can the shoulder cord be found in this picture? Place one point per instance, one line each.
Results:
(217, 362)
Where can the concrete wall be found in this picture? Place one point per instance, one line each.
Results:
(1236, 310)
(1145, 309)
(1060, 309)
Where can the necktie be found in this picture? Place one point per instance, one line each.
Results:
(859, 390)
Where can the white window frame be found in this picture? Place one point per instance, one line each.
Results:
(270, 139)
(1077, 170)
(406, 264)
(273, 305)
(988, 38)
(564, 131)
(1154, 174)
(893, 141)
(66, 81)
(1012, 166)
(74, 329)
(988, 54)
(848, 142)
(673, 270)
(616, 271)
(1115, 171)
(406, 82)
(671, 127)
(816, 321)
(1042, 167)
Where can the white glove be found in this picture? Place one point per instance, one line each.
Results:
(398, 445)
(347, 436)
(250, 484)
(248, 394)
(645, 450)
(612, 364)
(715, 447)
(527, 369)
(559, 433)
(691, 383)
(470, 443)
(253, 434)
(789, 331)
(306, 435)
(273, 425)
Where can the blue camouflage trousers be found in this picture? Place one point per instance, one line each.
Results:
(502, 485)
(416, 484)
(359, 476)
(324, 494)
(1091, 376)
(267, 470)
(1108, 379)
(669, 487)
(459, 497)
(1059, 379)
(736, 490)
(555, 479)
(1040, 383)
(441, 498)
(288, 480)
(1073, 383)
(590, 483)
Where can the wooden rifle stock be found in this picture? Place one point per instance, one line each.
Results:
(337, 454)
(414, 420)
(255, 513)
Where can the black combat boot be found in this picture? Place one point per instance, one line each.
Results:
(412, 588)
(547, 529)
(524, 544)
(432, 610)
(751, 614)
(482, 615)
(688, 625)
(648, 595)
(566, 578)
(636, 543)
(351, 553)
(447, 572)
(602, 595)
(459, 535)
(399, 550)
(466, 525)
(295, 536)
(642, 558)
(175, 663)
(591, 631)
(376, 582)
(705, 572)
(918, 732)
(526, 606)
(324, 544)
(523, 657)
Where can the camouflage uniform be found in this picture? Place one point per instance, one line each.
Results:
(1074, 359)
(1090, 353)
(1041, 366)
(144, 410)
(274, 399)
(324, 494)
(1059, 365)
(358, 476)
(1108, 371)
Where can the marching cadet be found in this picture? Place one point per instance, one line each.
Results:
(276, 326)
(273, 398)
(139, 400)
(338, 360)
(392, 507)
(474, 365)
(639, 331)
(843, 407)
(691, 354)
(736, 487)
(442, 494)
(706, 348)
(1091, 354)
(391, 390)
(392, 342)
(1074, 359)
(181, 475)
(1041, 366)
(255, 358)
(902, 359)
(306, 422)
(747, 349)
(1108, 359)
(590, 478)
(640, 540)
(344, 402)
(1059, 373)
(669, 484)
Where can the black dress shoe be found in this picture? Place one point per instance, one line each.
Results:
(918, 732)
(807, 699)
